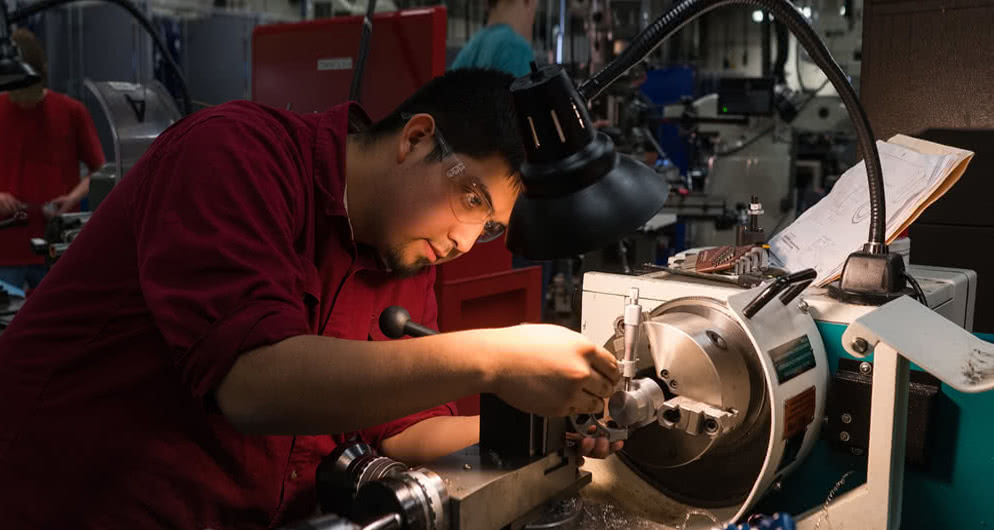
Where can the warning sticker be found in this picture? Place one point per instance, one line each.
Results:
(793, 358)
(799, 412)
(335, 63)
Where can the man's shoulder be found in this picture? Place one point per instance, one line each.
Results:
(63, 101)
(241, 124)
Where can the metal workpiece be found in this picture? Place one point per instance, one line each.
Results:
(595, 425)
(638, 406)
(695, 418)
(487, 492)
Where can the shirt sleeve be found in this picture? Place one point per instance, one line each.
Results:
(88, 145)
(375, 435)
(215, 246)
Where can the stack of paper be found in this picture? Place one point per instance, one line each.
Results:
(916, 174)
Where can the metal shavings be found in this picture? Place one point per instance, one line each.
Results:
(610, 517)
(830, 498)
(699, 513)
(979, 366)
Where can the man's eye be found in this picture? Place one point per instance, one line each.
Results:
(473, 201)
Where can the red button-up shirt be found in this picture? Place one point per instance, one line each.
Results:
(231, 233)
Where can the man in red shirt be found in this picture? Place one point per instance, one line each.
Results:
(186, 362)
(44, 136)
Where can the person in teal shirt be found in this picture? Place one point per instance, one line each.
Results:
(505, 43)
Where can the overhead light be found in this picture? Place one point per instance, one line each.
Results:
(806, 11)
(579, 194)
(757, 16)
(842, 11)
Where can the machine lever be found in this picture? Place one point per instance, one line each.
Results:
(395, 322)
(776, 287)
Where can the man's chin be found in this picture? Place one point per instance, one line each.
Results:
(405, 268)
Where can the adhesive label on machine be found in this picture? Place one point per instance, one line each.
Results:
(122, 86)
(335, 63)
(799, 412)
(793, 358)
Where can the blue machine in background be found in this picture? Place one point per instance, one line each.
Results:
(668, 86)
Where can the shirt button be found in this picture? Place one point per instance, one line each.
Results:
(293, 474)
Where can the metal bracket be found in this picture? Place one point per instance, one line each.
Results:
(694, 417)
(899, 333)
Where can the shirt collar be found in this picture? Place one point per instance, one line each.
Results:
(330, 154)
(329, 171)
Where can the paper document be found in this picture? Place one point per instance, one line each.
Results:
(916, 174)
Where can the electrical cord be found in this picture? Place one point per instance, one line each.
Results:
(747, 143)
(145, 23)
(684, 12)
(360, 66)
(919, 293)
(797, 67)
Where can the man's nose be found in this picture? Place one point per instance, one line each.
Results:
(464, 235)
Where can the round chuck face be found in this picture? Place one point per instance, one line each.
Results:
(709, 441)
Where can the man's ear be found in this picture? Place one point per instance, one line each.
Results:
(419, 131)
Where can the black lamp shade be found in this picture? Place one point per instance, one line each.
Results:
(579, 195)
(14, 73)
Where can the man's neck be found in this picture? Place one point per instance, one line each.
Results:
(28, 98)
(517, 18)
(360, 179)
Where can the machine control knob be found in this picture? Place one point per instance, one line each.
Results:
(395, 322)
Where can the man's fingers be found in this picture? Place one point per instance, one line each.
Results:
(617, 446)
(587, 446)
(598, 385)
(602, 447)
(590, 403)
(605, 364)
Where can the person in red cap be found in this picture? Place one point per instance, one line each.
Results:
(213, 332)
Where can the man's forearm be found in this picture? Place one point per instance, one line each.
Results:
(432, 438)
(80, 190)
(322, 385)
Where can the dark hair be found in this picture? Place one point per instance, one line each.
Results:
(474, 111)
(31, 51)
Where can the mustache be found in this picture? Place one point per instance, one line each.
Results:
(453, 254)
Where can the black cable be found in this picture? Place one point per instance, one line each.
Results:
(746, 143)
(687, 10)
(919, 293)
(360, 66)
(783, 48)
(797, 67)
(145, 23)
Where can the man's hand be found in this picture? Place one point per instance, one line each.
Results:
(64, 204)
(552, 371)
(594, 446)
(8, 204)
